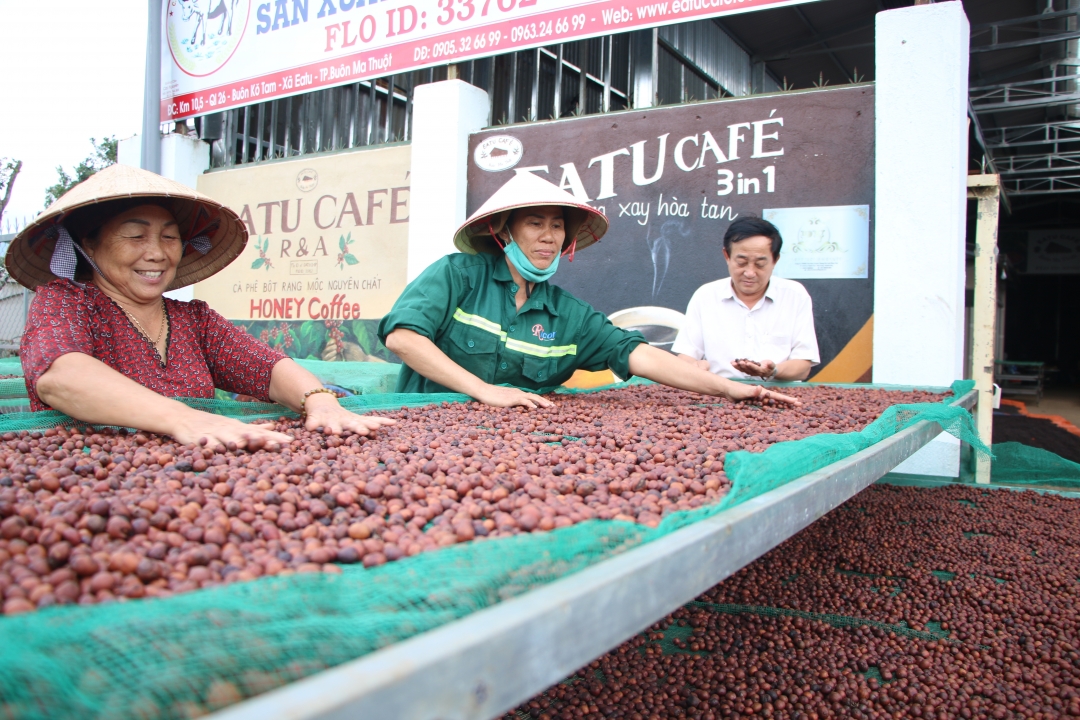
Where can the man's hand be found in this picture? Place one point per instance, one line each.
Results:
(764, 369)
(742, 393)
(497, 396)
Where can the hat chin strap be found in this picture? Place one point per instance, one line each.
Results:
(64, 262)
(498, 240)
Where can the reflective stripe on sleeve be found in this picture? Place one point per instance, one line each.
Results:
(480, 322)
(541, 350)
(520, 346)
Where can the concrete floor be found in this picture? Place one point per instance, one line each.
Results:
(1061, 400)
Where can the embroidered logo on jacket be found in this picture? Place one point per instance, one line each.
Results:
(538, 331)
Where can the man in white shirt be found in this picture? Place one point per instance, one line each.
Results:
(750, 324)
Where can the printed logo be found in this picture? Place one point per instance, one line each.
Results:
(306, 180)
(538, 331)
(500, 152)
(204, 34)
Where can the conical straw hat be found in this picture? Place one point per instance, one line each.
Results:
(525, 189)
(30, 252)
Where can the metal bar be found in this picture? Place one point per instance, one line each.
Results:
(245, 136)
(490, 90)
(1010, 169)
(489, 662)
(301, 122)
(583, 80)
(259, 133)
(405, 133)
(534, 109)
(1021, 20)
(150, 157)
(1017, 70)
(1056, 185)
(354, 116)
(229, 155)
(320, 98)
(1029, 135)
(274, 105)
(979, 136)
(373, 112)
(288, 127)
(608, 57)
(1062, 99)
(388, 127)
(558, 83)
(1026, 83)
(512, 106)
(334, 107)
(1042, 40)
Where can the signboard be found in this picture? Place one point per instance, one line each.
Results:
(1053, 252)
(218, 54)
(823, 242)
(326, 255)
(672, 179)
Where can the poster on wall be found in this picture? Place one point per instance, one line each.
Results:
(671, 180)
(326, 252)
(219, 54)
(1053, 252)
(822, 242)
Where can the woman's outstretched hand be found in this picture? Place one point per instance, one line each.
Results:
(750, 393)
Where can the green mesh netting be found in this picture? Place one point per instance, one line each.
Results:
(188, 654)
(1017, 464)
(11, 366)
(362, 378)
(783, 462)
(12, 388)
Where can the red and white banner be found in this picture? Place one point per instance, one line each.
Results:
(219, 54)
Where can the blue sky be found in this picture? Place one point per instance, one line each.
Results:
(69, 71)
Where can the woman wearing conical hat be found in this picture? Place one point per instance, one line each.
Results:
(104, 346)
(488, 323)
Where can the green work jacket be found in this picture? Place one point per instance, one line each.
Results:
(465, 305)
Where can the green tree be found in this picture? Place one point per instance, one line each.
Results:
(103, 156)
(9, 170)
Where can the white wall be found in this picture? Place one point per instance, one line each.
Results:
(920, 174)
(444, 115)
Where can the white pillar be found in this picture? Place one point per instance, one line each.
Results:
(184, 159)
(921, 131)
(444, 115)
(129, 151)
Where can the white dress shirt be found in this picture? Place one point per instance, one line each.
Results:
(720, 328)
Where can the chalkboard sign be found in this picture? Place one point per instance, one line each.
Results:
(671, 180)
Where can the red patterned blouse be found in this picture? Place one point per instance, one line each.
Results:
(205, 349)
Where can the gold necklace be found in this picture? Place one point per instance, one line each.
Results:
(139, 325)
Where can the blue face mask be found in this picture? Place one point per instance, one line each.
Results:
(524, 266)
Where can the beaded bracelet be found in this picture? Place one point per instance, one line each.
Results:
(309, 393)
